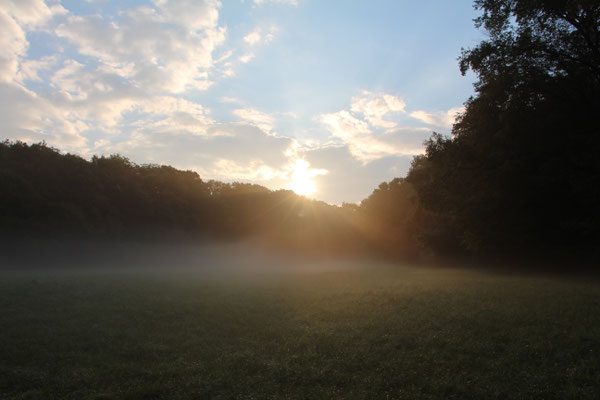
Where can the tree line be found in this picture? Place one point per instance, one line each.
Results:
(44, 192)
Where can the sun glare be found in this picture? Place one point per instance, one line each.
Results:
(301, 178)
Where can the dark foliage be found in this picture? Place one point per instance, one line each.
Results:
(43, 192)
(521, 174)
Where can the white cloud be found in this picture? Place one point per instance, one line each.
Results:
(252, 38)
(31, 13)
(233, 151)
(126, 76)
(258, 37)
(364, 144)
(371, 128)
(246, 58)
(167, 48)
(285, 2)
(28, 117)
(14, 46)
(228, 73)
(174, 115)
(194, 15)
(255, 170)
(227, 152)
(16, 19)
(375, 106)
(29, 70)
(255, 117)
(232, 100)
(135, 64)
(443, 119)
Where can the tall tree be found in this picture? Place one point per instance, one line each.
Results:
(520, 172)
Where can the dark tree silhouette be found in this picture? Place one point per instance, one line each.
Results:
(44, 193)
(520, 173)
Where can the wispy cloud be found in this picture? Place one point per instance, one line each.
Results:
(285, 2)
(246, 58)
(231, 100)
(29, 70)
(442, 119)
(259, 36)
(255, 117)
(375, 106)
(255, 170)
(252, 38)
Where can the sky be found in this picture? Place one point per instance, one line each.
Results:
(328, 98)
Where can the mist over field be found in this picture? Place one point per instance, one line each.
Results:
(232, 322)
(185, 318)
(167, 255)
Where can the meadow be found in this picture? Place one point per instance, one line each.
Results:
(378, 332)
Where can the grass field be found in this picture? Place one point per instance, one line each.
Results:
(381, 333)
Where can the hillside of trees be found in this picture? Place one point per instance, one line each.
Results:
(518, 178)
(44, 193)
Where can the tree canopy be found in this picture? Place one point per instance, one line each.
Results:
(44, 192)
(520, 172)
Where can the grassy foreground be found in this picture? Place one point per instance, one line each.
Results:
(403, 333)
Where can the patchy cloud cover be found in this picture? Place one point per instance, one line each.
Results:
(172, 82)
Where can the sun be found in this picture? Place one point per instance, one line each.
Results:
(301, 178)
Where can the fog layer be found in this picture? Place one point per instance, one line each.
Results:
(207, 257)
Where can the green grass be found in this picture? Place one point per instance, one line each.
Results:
(404, 333)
